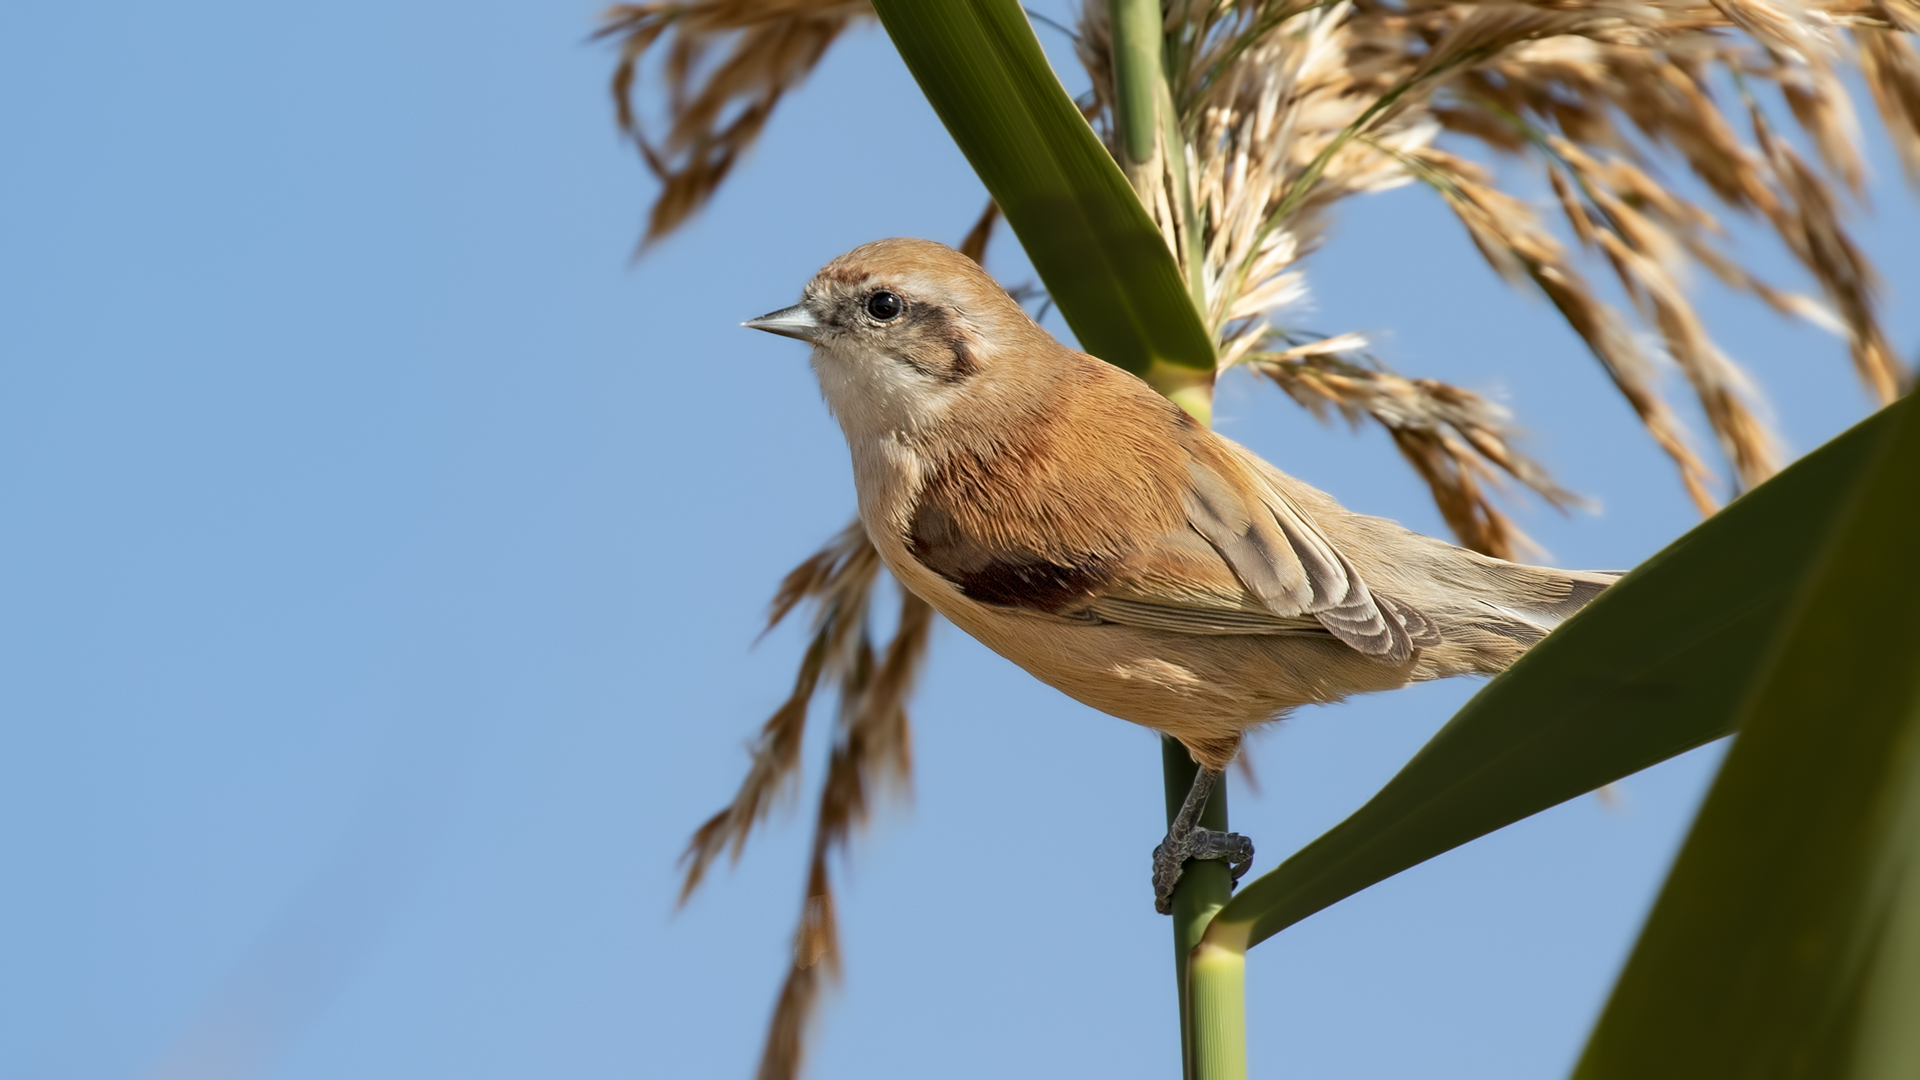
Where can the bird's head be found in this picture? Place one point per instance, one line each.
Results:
(910, 336)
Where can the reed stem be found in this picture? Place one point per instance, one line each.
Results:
(1212, 1011)
(1210, 982)
(1217, 985)
(1137, 77)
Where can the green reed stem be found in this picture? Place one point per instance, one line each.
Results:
(1211, 981)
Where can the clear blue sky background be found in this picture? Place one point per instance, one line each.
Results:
(383, 553)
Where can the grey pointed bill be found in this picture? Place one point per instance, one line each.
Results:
(793, 322)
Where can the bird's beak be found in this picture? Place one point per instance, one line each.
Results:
(793, 322)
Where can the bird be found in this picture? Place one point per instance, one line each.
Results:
(1084, 527)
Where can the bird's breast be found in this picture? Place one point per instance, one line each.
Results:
(888, 474)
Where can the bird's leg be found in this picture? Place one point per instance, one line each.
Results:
(1187, 840)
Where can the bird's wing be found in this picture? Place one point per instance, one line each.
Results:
(1282, 574)
(1179, 583)
(1191, 535)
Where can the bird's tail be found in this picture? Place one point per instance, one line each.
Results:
(1538, 598)
(1487, 612)
(1488, 624)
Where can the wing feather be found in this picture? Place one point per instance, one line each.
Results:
(1250, 541)
(1287, 563)
(1185, 616)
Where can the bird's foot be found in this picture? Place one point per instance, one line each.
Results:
(1170, 859)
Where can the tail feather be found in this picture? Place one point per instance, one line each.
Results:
(1527, 603)
(1545, 597)
(1485, 611)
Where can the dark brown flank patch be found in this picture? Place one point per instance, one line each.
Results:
(1034, 586)
(1026, 581)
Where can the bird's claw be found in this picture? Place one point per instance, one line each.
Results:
(1170, 858)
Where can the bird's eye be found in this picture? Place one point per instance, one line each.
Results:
(885, 306)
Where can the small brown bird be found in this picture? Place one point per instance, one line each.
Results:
(1085, 528)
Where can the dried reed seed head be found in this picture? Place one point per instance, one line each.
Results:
(1270, 90)
(715, 111)
(1891, 68)
(1451, 477)
(1454, 439)
(872, 749)
(872, 752)
(839, 578)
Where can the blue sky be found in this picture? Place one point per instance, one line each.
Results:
(384, 553)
